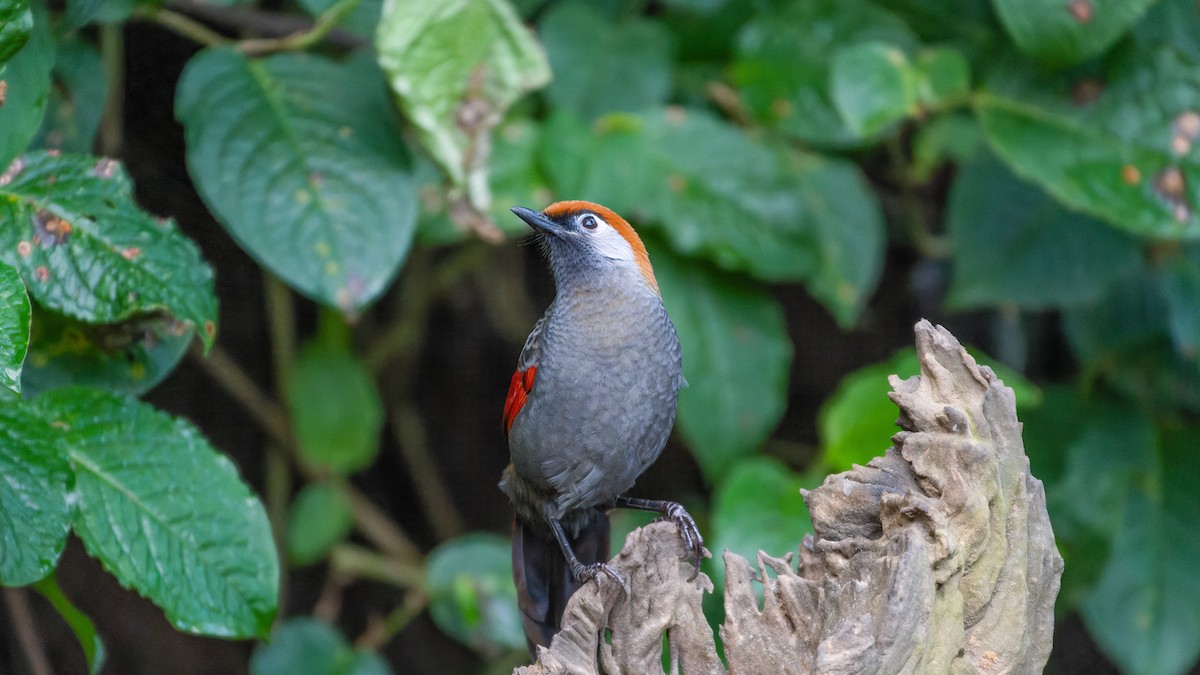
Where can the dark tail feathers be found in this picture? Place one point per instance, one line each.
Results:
(544, 582)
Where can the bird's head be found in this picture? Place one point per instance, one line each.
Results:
(582, 239)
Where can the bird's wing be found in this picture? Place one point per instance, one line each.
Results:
(522, 380)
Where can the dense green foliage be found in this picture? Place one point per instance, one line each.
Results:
(1049, 153)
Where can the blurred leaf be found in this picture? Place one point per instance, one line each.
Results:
(362, 20)
(875, 84)
(471, 592)
(1173, 23)
(1068, 32)
(1179, 282)
(75, 101)
(1117, 145)
(320, 517)
(455, 67)
(1013, 243)
(1145, 610)
(782, 66)
(758, 506)
(312, 647)
(700, 6)
(166, 514)
(857, 422)
(943, 78)
(14, 327)
(516, 179)
(736, 358)
(339, 432)
(85, 631)
(128, 357)
(953, 137)
(16, 23)
(1131, 313)
(634, 73)
(33, 496)
(300, 159)
(85, 249)
(26, 79)
(79, 12)
(714, 192)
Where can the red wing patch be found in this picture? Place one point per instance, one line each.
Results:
(518, 392)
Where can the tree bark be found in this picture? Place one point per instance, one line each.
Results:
(936, 558)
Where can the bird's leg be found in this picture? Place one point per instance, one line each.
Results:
(583, 573)
(674, 512)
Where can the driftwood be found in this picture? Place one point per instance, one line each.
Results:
(936, 558)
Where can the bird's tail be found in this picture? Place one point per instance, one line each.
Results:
(544, 581)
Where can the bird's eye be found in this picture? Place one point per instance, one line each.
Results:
(590, 222)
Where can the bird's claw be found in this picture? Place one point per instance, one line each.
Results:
(585, 573)
(693, 543)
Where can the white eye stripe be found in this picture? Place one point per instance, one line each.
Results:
(607, 241)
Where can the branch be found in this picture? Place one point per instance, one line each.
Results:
(937, 557)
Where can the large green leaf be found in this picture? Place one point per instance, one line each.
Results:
(736, 358)
(320, 517)
(1013, 243)
(26, 79)
(16, 23)
(166, 514)
(1118, 146)
(1068, 32)
(1145, 610)
(471, 592)
(1173, 23)
(14, 326)
(714, 192)
(336, 411)
(35, 515)
(76, 100)
(300, 159)
(85, 631)
(782, 67)
(69, 224)
(456, 66)
(635, 73)
(875, 84)
(312, 647)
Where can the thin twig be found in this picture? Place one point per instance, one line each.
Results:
(26, 629)
(181, 24)
(380, 529)
(379, 633)
(362, 563)
(112, 55)
(326, 22)
(409, 431)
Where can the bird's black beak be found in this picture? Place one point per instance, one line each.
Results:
(537, 220)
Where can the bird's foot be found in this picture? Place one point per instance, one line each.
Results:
(585, 573)
(692, 541)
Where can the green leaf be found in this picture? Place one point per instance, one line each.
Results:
(873, 86)
(1145, 610)
(319, 518)
(76, 100)
(301, 161)
(1179, 282)
(1013, 243)
(455, 68)
(16, 23)
(33, 496)
(1062, 32)
(471, 592)
(362, 19)
(128, 357)
(80, 623)
(14, 327)
(635, 73)
(782, 66)
(86, 250)
(341, 431)
(757, 506)
(943, 78)
(857, 422)
(26, 79)
(166, 514)
(714, 192)
(312, 647)
(736, 358)
(953, 137)
(1173, 23)
(1118, 145)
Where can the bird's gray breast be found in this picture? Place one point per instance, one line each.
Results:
(604, 399)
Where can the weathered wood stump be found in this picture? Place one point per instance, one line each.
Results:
(936, 558)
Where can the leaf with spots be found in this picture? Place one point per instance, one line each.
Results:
(714, 192)
(166, 514)
(1122, 145)
(736, 358)
(14, 326)
(34, 513)
(1068, 31)
(84, 248)
(300, 159)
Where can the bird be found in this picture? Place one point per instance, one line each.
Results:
(588, 410)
